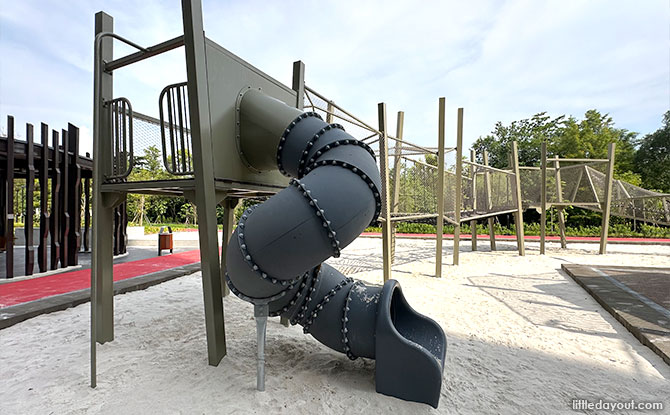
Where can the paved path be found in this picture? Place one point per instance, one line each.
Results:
(639, 297)
(26, 298)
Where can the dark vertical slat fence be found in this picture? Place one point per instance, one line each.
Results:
(30, 208)
(64, 201)
(87, 211)
(74, 197)
(60, 234)
(9, 230)
(44, 199)
(55, 203)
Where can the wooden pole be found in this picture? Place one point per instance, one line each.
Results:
(55, 202)
(440, 186)
(87, 212)
(543, 196)
(74, 237)
(606, 204)
(573, 195)
(30, 209)
(396, 176)
(330, 111)
(9, 234)
(518, 218)
(489, 202)
(65, 201)
(458, 192)
(559, 196)
(386, 204)
(44, 199)
(473, 181)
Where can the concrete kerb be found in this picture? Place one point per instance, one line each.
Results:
(620, 304)
(17, 313)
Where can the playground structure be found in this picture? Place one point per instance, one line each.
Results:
(419, 191)
(221, 141)
(414, 190)
(230, 132)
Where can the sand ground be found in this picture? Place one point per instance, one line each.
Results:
(523, 338)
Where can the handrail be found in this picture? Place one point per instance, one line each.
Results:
(145, 53)
(98, 64)
(472, 163)
(122, 145)
(341, 109)
(180, 143)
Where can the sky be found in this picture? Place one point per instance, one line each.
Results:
(499, 60)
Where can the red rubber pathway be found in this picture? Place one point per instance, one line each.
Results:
(19, 292)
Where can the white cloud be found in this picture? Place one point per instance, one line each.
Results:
(500, 60)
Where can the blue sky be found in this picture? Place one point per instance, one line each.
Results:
(500, 60)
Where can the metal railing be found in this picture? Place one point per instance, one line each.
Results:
(121, 123)
(175, 131)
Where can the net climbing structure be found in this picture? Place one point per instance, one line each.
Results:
(422, 184)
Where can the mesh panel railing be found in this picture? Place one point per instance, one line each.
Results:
(584, 185)
(149, 152)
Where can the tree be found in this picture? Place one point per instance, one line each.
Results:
(590, 138)
(565, 137)
(528, 133)
(652, 160)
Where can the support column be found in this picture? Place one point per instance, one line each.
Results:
(440, 186)
(606, 204)
(299, 83)
(9, 234)
(74, 236)
(65, 201)
(87, 213)
(396, 176)
(489, 202)
(518, 215)
(102, 289)
(55, 202)
(74, 202)
(386, 204)
(228, 225)
(205, 194)
(330, 110)
(559, 198)
(473, 182)
(3, 208)
(543, 196)
(44, 199)
(30, 210)
(458, 197)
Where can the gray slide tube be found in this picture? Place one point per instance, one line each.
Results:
(278, 249)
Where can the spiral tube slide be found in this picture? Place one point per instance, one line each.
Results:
(277, 251)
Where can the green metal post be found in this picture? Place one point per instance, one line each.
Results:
(386, 208)
(205, 195)
(396, 176)
(440, 187)
(559, 198)
(102, 288)
(543, 196)
(518, 215)
(228, 226)
(606, 204)
(473, 182)
(458, 197)
(489, 202)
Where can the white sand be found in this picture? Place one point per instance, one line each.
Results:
(523, 338)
